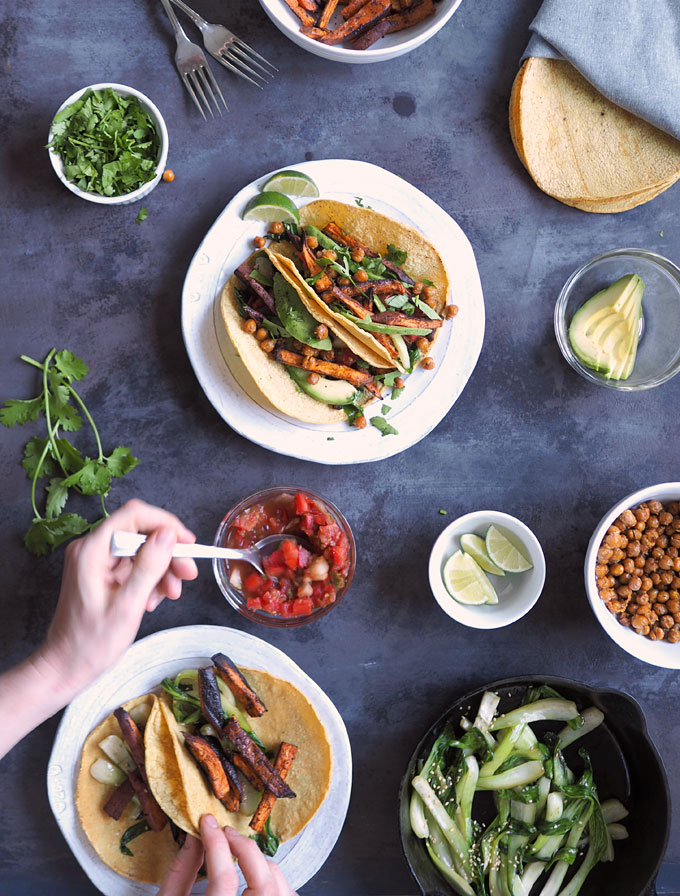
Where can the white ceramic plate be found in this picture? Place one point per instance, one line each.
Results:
(388, 47)
(141, 670)
(428, 396)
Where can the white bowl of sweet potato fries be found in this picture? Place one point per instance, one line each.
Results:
(359, 30)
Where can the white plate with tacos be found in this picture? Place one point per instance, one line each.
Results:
(77, 799)
(408, 248)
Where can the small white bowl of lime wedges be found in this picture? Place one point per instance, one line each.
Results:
(487, 569)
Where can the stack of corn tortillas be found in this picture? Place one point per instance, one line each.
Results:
(582, 149)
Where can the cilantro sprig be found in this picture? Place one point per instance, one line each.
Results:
(55, 458)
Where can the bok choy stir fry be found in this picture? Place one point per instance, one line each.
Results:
(550, 828)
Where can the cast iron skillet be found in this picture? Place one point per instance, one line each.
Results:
(626, 765)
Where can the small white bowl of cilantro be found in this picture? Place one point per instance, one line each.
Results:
(108, 144)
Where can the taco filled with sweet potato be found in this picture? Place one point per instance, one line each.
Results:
(326, 319)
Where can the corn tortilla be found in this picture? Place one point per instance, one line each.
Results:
(152, 851)
(181, 788)
(581, 148)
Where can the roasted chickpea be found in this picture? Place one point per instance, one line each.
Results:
(422, 344)
(168, 175)
(399, 384)
(343, 281)
(450, 311)
(260, 242)
(359, 422)
(418, 287)
(249, 325)
(312, 242)
(321, 332)
(428, 364)
(361, 276)
(358, 255)
(261, 334)
(330, 254)
(268, 345)
(276, 227)
(312, 378)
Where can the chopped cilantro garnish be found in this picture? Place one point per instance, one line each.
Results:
(385, 409)
(443, 512)
(385, 428)
(360, 202)
(142, 215)
(107, 143)
(396, 392)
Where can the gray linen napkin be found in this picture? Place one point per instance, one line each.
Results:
(628, 49)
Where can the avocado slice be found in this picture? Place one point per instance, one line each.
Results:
(604, 331)
(326, 390)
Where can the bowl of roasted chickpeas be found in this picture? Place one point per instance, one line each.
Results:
(632, 574)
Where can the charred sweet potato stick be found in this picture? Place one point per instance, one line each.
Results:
(119, 799)
(283, 763)
(390, 265)
(256, 759)
(301, 13)
(396, 319)
(387, 343)
(133, 738)
(211, 702)
(313, 32)
(237, 684)
(309, 5)
(333, 231)
(337, 294)
(307, 256)
(243, 273)
(369, 15)
(352, 7)
(328, 11)
(411, 16)
(327, 368)
(247, 772)
(210, 764)
(380, 287)
(152, 811)
(368, 38)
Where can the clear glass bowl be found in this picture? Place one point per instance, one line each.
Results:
(236, 597)
(658, 354)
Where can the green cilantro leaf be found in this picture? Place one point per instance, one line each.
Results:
(15, 412)
(70, 366)
(396, 256)
(33, 452)
(396, 392)
(120, 461)
(46, 535)
(385, 428)
(385, 409)
(57, 495)
(142, 215)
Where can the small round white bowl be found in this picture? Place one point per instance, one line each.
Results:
(388, 47)
(157, 119)
(517, 592)
(657, 653)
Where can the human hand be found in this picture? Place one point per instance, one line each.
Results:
(103, 598)
(263, 878)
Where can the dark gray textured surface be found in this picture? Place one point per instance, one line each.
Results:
(527, 436)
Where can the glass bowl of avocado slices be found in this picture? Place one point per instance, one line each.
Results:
(617, 320)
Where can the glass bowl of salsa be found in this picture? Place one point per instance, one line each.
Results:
(305, 576)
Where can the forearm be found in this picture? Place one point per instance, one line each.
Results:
(29, 694)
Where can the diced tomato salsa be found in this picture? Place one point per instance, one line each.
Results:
(297, 579)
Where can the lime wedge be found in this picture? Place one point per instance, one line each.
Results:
(474, 546)
(270, 207)
(466, 582)
(292, 183)
(504, 553)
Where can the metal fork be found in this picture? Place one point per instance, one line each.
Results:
(193, 67)
(229, 50)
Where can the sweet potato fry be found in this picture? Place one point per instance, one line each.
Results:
(369, 15)
(313, 32)
(309, 5)
(247, 772)
(327, 368)
(133, 738)
(326, 14)
(238, 685)
(301, 13)
(352, 7)
(256, 759)
(211, 702)
(411, 16)
(335, 293)
(283, 763)
(308, 259)
(387, 343)
(397, 319)
(210, 763)
(243, 273)
(333, 231)
(119, 799)
(152, 811)
(381, 288)
(368, 38)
